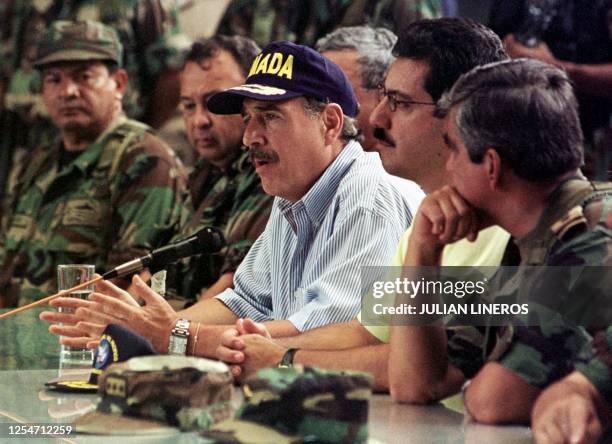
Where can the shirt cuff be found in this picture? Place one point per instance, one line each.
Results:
(240, 306)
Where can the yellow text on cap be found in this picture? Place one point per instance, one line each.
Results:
(274, 63)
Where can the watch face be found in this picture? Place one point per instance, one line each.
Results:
(178, 345)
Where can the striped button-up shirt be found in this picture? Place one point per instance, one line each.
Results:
(306, 265)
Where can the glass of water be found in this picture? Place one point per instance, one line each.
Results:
(69, 276)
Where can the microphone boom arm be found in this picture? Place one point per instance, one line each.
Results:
(207, 240)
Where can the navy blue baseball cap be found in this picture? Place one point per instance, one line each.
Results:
(284, 70)
(117, 344)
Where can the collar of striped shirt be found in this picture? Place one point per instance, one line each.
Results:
(318, 198)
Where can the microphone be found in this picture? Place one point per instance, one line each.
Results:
(208, 240)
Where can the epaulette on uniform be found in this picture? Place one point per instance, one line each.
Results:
(574, 221)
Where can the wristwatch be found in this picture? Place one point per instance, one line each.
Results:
(287, 361)
(177, 345)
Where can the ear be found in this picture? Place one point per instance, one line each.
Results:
(121, 79)
(333, 120)
(493, 168)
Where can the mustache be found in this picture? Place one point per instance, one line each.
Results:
(257, 153)
(204, 135)
(382, 135)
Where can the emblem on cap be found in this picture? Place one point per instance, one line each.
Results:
(107, 352)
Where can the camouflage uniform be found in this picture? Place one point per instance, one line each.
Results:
(391, 14)
(232, 200)
(574, 230)
(16, 136)
(262, 20)
(118, 199)
(598, 369)
(305, 22)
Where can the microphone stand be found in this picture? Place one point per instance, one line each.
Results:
(209, 237)
(50, 298)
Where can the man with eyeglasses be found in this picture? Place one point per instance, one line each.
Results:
(431, 55)
(106, 191)
(364, 54)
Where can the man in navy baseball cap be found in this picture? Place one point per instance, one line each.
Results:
(336, 209)
(284, 70)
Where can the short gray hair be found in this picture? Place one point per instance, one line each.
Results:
(525, 110)
(314, 107)
(373, 46)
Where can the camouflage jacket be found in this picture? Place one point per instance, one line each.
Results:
(391, 14)
(232, 200)
(17, 137)
(148, 29)
(306, 22)
(118, 199)
(578, 230)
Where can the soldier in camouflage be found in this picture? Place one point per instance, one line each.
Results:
(106, 191)
(224, 189)
(153, 43)
(515, 144)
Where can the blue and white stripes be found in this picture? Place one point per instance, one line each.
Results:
(305, 267)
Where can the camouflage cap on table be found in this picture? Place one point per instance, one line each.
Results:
(154, 394)
(67, 41)
(300, 404)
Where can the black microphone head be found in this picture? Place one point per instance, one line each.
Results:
(209, 240)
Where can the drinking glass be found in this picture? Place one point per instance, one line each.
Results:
(69, 276)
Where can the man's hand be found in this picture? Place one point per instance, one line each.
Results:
(566, 412)
(259, 352)
(541, 51)
(232, 344)
(72, 336)
(111, 305)
(250, 327)
(443, 217)
(154, 321)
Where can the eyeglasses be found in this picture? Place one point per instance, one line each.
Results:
(394, 101)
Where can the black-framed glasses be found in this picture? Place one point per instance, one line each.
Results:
(394, 101)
